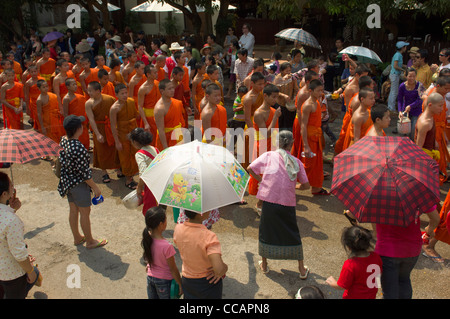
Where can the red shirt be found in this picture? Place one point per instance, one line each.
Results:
(144, 59)
(358, 277)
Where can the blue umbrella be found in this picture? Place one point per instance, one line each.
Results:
(300, 35)
(51, 36)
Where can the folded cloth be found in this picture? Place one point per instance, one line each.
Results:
(292, 167)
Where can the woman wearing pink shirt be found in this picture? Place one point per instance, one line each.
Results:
(279, 237)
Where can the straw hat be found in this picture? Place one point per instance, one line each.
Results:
(83, 46)
(175, 46)
(414, 50)
(116, 38)
(205, 46)
(164, 48)
(129, 46)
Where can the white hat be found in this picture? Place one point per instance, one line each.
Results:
(129, 46)
(116, 38)
(175, 46)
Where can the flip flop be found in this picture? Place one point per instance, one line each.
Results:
(243, 202)
(306, 274)
(322, 192)
(131, 185)
(106, 179)
(120, 175)
(267, 268)
(258, 211)
(101, 243)
(434, 258)
(352, 221)
(81, 241)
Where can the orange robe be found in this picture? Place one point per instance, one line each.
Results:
(108, 89)
(258, 102)
(77, 107)
(161, 75)
(219, 121)
(46, 71)
(136, 90)
(105, 154)
(63, 89)
(172, 120)
(441, 121)
(150, 101)
(253, 183)
(126, 122)
(199, 95)
(93, 76)
(18, 70)
(314, 165)
(12, 120)
(297, 147)
(33, 95)
(52, 118)
(179, 95)
(441, 232)
(338, 148)
(131, 75)
(350, 136)
(119, 78)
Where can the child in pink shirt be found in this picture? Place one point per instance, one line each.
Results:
(159, 255)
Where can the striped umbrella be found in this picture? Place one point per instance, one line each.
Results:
(300, 35)
(363, 54)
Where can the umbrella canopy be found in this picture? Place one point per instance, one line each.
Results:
(364, 55)
(154, 6)
(300, 35)
(196, 176)
(214, 4)
(111, 7)
(386, 180)
(21, 146)
(52, 36)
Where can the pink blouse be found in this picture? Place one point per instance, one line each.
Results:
(276, 186)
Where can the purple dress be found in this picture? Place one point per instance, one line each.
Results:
(413, 98)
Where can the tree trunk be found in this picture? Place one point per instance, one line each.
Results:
(191, 15)
(223, 14)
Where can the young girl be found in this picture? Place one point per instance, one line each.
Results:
(159, 255)
(361, 272)
(141, 140)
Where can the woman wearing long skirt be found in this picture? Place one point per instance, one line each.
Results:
(279, 236)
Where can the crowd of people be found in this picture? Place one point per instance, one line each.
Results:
(132, 101)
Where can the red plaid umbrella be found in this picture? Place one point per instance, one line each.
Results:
(386, 180)
(21, 146)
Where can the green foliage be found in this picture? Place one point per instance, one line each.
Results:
(170, 26)
(132, 20)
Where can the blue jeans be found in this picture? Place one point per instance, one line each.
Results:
(413, 127)
(395, 278)
(393, 93)
(158, 288)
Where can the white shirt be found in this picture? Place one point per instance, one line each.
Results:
(247, 41)
(441, 67)
(12, 246)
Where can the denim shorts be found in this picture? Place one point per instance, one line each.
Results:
(158, 288)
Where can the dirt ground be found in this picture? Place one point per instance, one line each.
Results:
(115, 271)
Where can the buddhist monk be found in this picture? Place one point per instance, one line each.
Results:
(59, 82)
(160, 64)
(48, 113)
(214, 117)
(123, 115)
(11, 96)
(381, 118)
(114, 75)
(176, 78)
(180, 60)
(129, 69)
(350, 91)
(6, 65)
(87, 76)
(312, 138)
(66, 56)
(258, 66)
(31, 93)
(361, 120)
(290, 88)
(442, 87)
(100, 63)
(136, 81)
(213, 74)
(26, 74)
(16, 65)
(97, 111)
(74, 104)
(265, 121)
(251, 102)
(148, 96)
(302, 95)
(46, 66)
(168, 116)
(77, 69)
(107, 85)
(197, 91)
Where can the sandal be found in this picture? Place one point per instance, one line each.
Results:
(322, 192)
(303, 277)
(434, 258)
(352, 221)
(106, 179)
(101, 243)
(120, 175)
(258, 210)
(263, 271)
(131, 185)
(81, 241)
